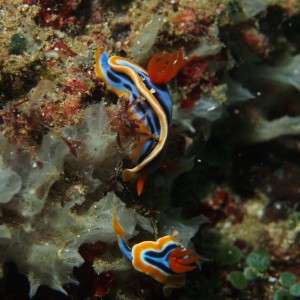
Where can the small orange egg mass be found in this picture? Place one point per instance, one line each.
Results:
(163, 66)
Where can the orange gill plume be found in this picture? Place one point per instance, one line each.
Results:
(163, 66)
(180, 262)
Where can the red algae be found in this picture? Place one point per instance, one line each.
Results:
(221, 207)
(90, 251)
(102, 284)
(186, 21)
(57, 14)
(92, 284)
(256, 41)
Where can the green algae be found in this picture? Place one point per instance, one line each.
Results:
(295, 290)
(294, 219)
(18, 44)
(251, 274)
(287, 279)
(259, 260)
(237, 280)
(282, 294)
(229, 255)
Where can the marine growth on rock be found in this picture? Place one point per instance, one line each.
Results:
(187, 130)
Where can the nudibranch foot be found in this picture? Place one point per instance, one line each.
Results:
(125, 249)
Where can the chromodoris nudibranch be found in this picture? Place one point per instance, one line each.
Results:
(164, 260)
(150, 103)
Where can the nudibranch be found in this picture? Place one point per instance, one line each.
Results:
(150, 104)
(164, 260)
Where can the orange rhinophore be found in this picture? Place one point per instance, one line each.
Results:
(162, 67)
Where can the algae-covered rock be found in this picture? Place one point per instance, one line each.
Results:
(18, 44)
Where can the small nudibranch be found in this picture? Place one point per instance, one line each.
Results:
(150, 104)
(164, 260)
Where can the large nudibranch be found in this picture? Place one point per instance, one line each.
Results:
(164, 260)
(150, 104)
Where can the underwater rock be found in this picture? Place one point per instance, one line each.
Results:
(268, 130)
(66, 139)
(144, 41)
(10, 184)
(44, 238)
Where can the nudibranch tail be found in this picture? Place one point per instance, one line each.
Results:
(140, 183)
(130, 81)
(163, 67)
(125, 249)
(118, 228)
